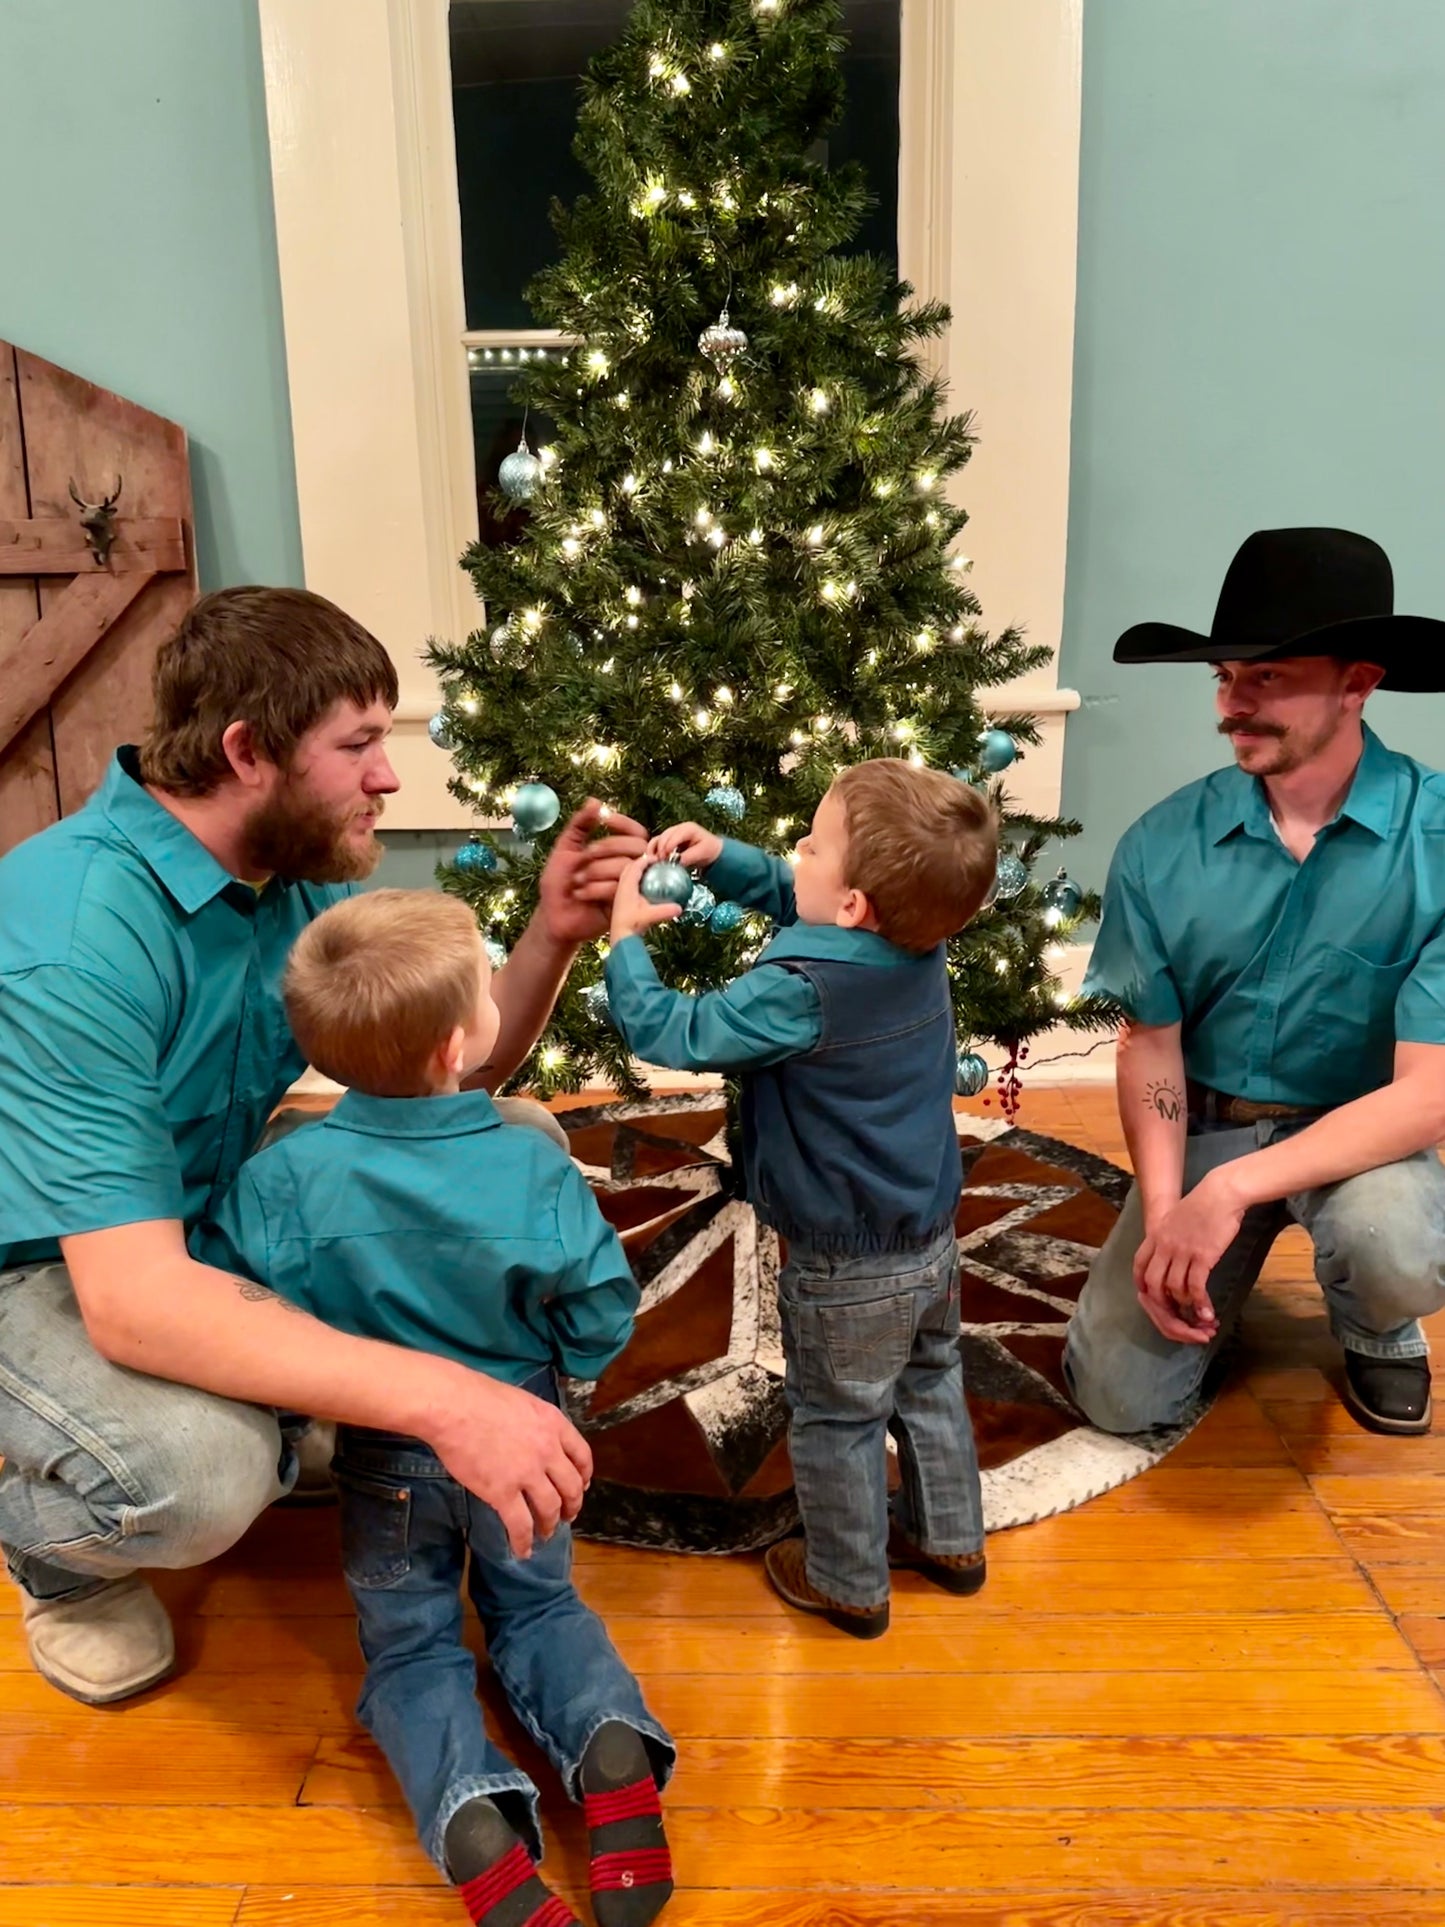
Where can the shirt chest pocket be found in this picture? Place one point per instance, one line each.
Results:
(1352, 999)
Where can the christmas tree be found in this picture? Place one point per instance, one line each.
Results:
(738, 571)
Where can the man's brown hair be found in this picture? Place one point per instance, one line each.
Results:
(277, 659)
(922, 847)
(379, 982)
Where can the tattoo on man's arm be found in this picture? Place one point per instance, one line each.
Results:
(1166, 1099)
(255, 1294)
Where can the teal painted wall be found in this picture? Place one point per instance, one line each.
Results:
(1261, 343)
(138, 247)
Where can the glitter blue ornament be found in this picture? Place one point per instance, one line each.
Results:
(476, 859)
(996, 750)
(700, 905)
(727, 801)
(1011, 875)
(496, 955)
(439, 733)
(727, 916)
(970, 1074)
(979, 783)
(534, 808)
(666, 882)
(520, 474)
(595, 998)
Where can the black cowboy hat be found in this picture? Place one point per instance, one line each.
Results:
(1305, 592)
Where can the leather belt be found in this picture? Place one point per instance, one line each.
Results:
(1215, 1107)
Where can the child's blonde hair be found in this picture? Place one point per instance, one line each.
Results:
(922, 847)
(379, 982)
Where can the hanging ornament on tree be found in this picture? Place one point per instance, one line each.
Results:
(595, 998)
(521, 472)
(970, 1076)
(476, 859)
(700, 905)
(1010, 876)
(722, 343)
(1061, 898)
(727, 916)
(727, 801)
(496, 954)
(979, 783)
(535, 807)
(439, 733)
(996, 750)
(666, 882)
(500, 638)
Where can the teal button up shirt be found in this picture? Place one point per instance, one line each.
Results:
(429, 1222)
(1292, 982)
(766, 1015)
(143, 1040)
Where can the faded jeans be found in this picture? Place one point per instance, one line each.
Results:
(107, 1470)
(1379, 1245)
(406, 1528)
(872, 1347)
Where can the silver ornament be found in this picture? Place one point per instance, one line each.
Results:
(520, 474)
(727, 801)
(439, 733)
(1011, 876)
(722, 343)
(970, 1074)
(700, 905)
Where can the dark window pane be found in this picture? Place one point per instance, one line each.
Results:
(515, 65)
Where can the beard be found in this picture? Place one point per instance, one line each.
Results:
(292, 835)
(1273, 750)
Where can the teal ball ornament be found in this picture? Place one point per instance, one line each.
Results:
(996, 750)
(520, 475)
(535, 808)
(667, 882)
(725, 917)
(727, 801)
(700, 905)
(1010, 876)
(970, 1074)
(439, 733)
(1061, 897)
(595, 999)
(476, 859)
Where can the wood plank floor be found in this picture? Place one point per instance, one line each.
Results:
(1214, 1698)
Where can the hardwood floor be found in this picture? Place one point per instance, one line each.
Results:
(1212, 1698)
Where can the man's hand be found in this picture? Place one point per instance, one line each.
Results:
(688, 844)
(631, 912)
(519, 1454)
(580, 878)
(1173, 1265)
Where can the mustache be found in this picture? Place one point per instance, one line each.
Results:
(1228, 728)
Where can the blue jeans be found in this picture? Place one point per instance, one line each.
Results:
(107, 1470)
(1379, 1242)
(872, 1347)
(406, 1527)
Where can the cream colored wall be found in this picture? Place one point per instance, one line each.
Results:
(364, 174)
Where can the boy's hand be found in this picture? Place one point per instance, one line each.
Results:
(631, 912)
(688, 844)
(582, 871)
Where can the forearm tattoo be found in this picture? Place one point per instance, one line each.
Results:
(1166, 1099)
(255, 1294)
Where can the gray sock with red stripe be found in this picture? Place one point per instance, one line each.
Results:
(631, 1871)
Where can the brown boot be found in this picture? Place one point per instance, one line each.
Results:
(786, 1569)
(960, 1572)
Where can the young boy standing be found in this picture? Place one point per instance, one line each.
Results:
(413, 1213)
(843, 1033)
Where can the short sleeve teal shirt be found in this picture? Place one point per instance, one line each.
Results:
(143, 1040)
(1292, 982)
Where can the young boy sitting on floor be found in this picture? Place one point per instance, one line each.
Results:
(412, 1213)
(843, 1033)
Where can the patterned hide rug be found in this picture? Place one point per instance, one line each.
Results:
(688, 1427)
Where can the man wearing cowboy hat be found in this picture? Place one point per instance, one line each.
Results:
(1275, 935)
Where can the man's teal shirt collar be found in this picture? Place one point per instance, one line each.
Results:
(454, 1115)
(1238, 801)
(829, 942)
(181, 862)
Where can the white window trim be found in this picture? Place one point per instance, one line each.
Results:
(364, 178)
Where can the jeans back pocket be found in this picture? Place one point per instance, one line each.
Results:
(868, 1342)
(375, 1529)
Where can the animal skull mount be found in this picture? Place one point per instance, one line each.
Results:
(98, 520)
